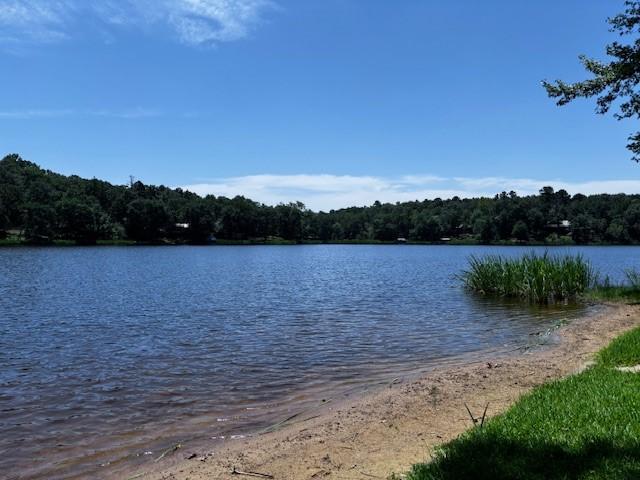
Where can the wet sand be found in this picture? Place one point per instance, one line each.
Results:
(385, 432)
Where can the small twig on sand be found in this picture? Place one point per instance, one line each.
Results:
(368, 474)
(250, 474)
(474, 420)
(168, 451)
(484, 415)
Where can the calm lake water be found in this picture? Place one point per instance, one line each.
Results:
(108, 354)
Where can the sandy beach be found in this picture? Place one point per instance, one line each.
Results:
(386, 432)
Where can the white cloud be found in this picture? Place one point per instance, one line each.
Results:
(193, 22)
(326, 192)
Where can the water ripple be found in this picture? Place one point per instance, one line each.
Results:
(109, 351)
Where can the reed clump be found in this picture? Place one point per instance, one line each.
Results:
(537, 278)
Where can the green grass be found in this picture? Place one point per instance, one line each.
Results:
(586, 426)
(15, 242)
(116, 242)
(267, 241)
(623, 351)
(9, 242)
(531, 277)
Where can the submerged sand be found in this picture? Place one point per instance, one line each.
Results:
(387, 431)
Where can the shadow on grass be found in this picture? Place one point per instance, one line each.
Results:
(487, 456)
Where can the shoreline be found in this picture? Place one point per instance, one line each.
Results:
(61, 243)
(386, 431)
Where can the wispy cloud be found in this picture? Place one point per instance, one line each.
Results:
(131, 114)
(28, 114)
(193, 22)
(205, 21)
(33, 21)
(326, 192)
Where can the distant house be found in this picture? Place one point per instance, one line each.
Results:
(182, 225)
(562, 227)
(462, 229)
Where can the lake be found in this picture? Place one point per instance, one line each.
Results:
(110, 355)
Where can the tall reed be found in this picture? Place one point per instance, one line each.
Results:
(633, 278)
(531, 277)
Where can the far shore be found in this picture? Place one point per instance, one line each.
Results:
(382, 433)
(13, 242)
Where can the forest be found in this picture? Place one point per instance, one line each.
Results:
(40, 206)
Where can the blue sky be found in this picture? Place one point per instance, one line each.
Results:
(332, 102)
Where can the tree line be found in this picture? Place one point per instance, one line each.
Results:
(43, 206)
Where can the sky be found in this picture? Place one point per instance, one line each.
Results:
(330, 102)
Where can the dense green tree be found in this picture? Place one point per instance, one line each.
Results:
(615, 81)
(485, 229)
(41, 192)
(239, 218)
(536, 222)
(146, 220)
(320, 227)
(384, 229)
(11, 191)
(427, 227)
(289, 220)
(39, 222)
(337, 232)
(632, 220)
(520, 231)
(82, 219)
(201, 222)
(4, 218)
(616, 232)
(581, 228)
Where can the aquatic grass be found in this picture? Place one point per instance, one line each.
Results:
(614, 293)
(628, 291)
(586, 426)
(633, 278)
(532, 277)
